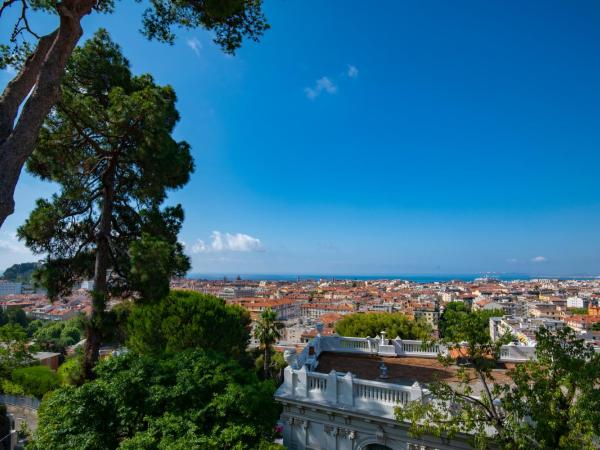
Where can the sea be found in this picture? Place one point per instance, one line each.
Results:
(432, 278)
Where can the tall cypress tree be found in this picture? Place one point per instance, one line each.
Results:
(108, 145)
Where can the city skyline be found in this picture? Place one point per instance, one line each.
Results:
(437, 139)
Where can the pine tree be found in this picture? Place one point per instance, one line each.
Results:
(108, 146)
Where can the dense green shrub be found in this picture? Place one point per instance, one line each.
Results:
(187, 400)
(36, 380)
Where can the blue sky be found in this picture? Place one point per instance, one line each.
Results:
(414, 138)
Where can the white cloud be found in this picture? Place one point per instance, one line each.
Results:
(10, 246)
(222, 242)
(327, 85)
(352, 71)
(511, 260)
(538, 259)
(12, 251)
(195, 45)
(242, 242)
(323, 84)
(311, 93)
(9, 242)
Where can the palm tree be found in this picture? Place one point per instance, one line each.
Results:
(267, 333)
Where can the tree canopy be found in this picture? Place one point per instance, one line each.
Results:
(453, 322)
(108, 146)
(187, 400)
(14, 316)
(371, 324)
(71, 371)
(184, 320)
(56, 336)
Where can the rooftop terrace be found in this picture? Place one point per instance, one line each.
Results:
(400, 370)
(346, 373)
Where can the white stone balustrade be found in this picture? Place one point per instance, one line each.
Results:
(395, 347)
(334, 389)
(516, 353)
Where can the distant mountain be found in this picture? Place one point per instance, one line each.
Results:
(21, 273)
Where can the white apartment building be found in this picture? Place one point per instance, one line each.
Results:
(522, 328)
(52, 312)
(577, 302)
(231, 292)
(87, 285)
(312, 311)
(10, 288)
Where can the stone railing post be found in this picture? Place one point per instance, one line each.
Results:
(330, 343)
(302, 389)
(415, 391)
(331, 390)
(288, 381)
(442, 350)
(317, 345)
(398, 346)
(346, 392)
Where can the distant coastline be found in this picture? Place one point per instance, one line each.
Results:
(414, 278)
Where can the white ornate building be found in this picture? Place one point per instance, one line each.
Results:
(340, 393)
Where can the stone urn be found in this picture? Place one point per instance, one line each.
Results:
(290, 357)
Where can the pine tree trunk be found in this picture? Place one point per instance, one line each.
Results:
(94, 326)
(42, 72)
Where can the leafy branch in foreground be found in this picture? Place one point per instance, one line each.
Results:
(550, 402)
(41, 59)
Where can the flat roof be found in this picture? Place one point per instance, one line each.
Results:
(403, 370)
